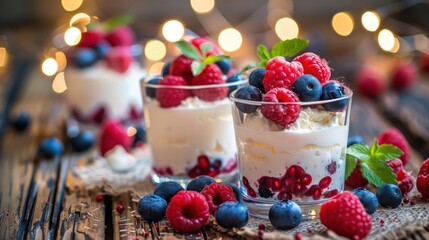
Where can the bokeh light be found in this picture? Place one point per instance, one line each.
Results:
(371, 21)
(131, 131)
(80, 19)
(71, 5)
(343, 23)
(155, 50)
(386, 40)
(202, 6)
(286, 28)
(396, 46)
(421, 42)
(49, 67)
(59, 83)
(3, 56)
(61, 59)
(72, 36)
(230, 39)
(173, 30)
(156, 68)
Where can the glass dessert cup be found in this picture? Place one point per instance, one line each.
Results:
(304, 161)
(195, 137)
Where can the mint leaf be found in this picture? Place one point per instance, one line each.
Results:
(289, 47)
(263, 63)
(250, 66)
(197, 67)
(378, 172)
(263, 52)
(374, 148)
(359, 151)
(351, 163)
(205, 48)
(213, 59)
(115, 22)
(388, 151)
(188, 50)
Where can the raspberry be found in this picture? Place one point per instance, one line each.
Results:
(281, 73)
(210, 75)
(282, 114)
(404, 76)
(216, 194)
(169, 97)
(112, 134)
(394, 136)
(369, 84)
(187, 211)
(121, 36)
(356, 179)
(395, 165)
(345, 215)
(198, 41)
(315, 66)
(405, 181)
(181, 66)
(423, 179)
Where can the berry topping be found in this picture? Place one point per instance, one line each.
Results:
(224, 65)
(83, 141)
(256, 78)
(405, 181)
(248, 93)
(210, 75)
(166, 69)
(50, 148)
(216, 194)
(151, 91)
(181, 66)
(394, 136)
(284, 113)
(167, 190)
(355, 139)
(356, 179)
(112, 134)
(285, 215)
(423, 179)
(336, 215)
(404, 76)
(334, 90)
(232, 215)
(140, 135)
(198, 41)
(369, 83)
(188, 211)
(198, 184)
(102, 49)
(90, 39)
(234, 78)
(307, 87)
(120, 36)
(281, 73)
(169, 97)
(367, 198)
(119, 59)
(152, 208)
(85, 57)
(21, 122)
(389, 195)
(315, 66)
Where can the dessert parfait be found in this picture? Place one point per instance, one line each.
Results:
(291, 126)
(103, 75)
(188, 115)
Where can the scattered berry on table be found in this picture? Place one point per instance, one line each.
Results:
(21, 121)
(389, 195)
(232, 215)
(308, 88)
(248, 93)
(120, 208)
(256, 78)
(188, 211)
(395, 137)
(334, 90)
(369, 84)
(197, 184)
(216, 194)
(83, 141)
(280, 73)
(405, 181)
(367, 198)
(167, 190)
(335, 215)
(51, 147)
(314, 65)
(355, 139)
(169, 97)
(152, 208)
(209, 76)
(404, 76)
(150, 90)
(112, 134)
(285, 215)
(281, 114)
(224, 65)
(423, 179)
(356, 179)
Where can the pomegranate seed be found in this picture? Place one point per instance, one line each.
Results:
(169, 171)
(310, 191)
(295, 172)
(406, 200)
(325, 182)
(306, 179)
(120, 208)
(412, 203)
(317, 193)
(382, 221)
(296, 188)
(265, 181)
(99, 198)
(276, 184)
(213, 173)
(251, 192)
(332, 168)
(204, 162)
(217, 164)
(284, 195)
(309, 230)
(245, 182)
(331, 193)
(260, 232)
(261, 226)
(298, 236)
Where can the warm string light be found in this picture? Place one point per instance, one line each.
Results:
(59, 83)
(155, 50)
(286, 28)
(156, 68)
(202, 6)
(396, 46)
(173, 30)
(61, 59)
(72, 36)
(3, 56)
(49, 67)
(71, 5)
(343, 23)
(370, 21)
(80, 19)
(230, 39)
(131, 131)
(386, 40)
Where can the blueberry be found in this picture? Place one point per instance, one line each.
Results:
(308, 88)
(197, 184)
(334, 90)
(151, 91)
(85, 57)
(355, 139)
(167, 190)
(82, 141)
(234, 78)
(256, 77)
(152, 208)
(367, 198)
(389, 195)
(248, 93)
(224, 65)
(21, 122)
(140, 135)
(232, 215)
(166, 69)
(236, 190)
(102, 49)
(50, 148)
(285, 215)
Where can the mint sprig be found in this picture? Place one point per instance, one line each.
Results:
(373, 164)
(200, 58)
(117, 21)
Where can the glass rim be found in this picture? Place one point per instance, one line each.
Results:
(192, 87)
(232, 98)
